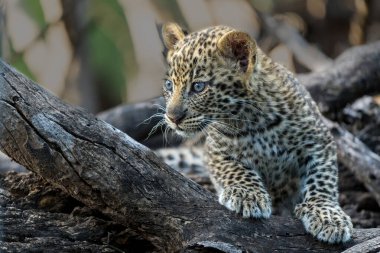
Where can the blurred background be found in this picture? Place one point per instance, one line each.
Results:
(100, 53)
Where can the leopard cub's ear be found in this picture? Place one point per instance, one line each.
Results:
(239, 47)
(171, 35)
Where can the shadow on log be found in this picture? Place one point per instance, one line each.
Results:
(108, 171)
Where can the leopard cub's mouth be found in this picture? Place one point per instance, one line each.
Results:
(188, 127)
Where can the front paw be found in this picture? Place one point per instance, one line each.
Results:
(250, 202)
(326, 221)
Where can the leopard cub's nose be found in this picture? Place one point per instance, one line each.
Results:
(177, 116)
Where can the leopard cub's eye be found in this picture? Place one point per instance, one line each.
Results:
(168, 85)
(198, 87)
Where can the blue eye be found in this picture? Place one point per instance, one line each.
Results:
(198, 87)
(168, 85)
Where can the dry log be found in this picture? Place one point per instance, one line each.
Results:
(362, 118)
(33, 230)
(358, 158)
(353, 74)
(37, 217)
(372, 245)
(108, 171)
(332, 84)
(307, 54)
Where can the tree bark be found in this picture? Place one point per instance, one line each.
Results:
(26, 228)
(358, 158)
(372, 245)
(353, 74)
(109, 171)
(307, 54)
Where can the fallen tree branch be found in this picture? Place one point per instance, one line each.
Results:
(332, 84)
(26, 229)
(372, 245)
(108, 171)
(37, 217)
(358, 158)
(307, 54)
(353, 74)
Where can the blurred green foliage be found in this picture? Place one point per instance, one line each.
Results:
(18, 62)
(34, 10)
(111, 51)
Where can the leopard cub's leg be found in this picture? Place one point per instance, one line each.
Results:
(240, 189)
(320, 211)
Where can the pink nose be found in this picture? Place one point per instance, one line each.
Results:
(177, 117)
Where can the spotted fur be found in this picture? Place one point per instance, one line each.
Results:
(266, 145)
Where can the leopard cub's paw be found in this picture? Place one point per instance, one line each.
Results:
(326, 221)
(248, 201)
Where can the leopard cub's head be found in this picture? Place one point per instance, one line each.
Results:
(207, 77)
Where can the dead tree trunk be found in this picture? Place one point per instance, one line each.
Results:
(353, 74)
(108, 171)
(358, 158)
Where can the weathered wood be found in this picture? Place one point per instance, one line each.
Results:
(369, 246)
(108, 171)
(33, 230)
(362, 118)
(353, 74)
(357, 157)
(306, 53)
(37, 217)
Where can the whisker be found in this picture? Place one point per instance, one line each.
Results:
(160, 107)
(203, 129)
(147, 121)
(154, 129)
(229, 128)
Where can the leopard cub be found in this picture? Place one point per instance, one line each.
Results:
(266, 146)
